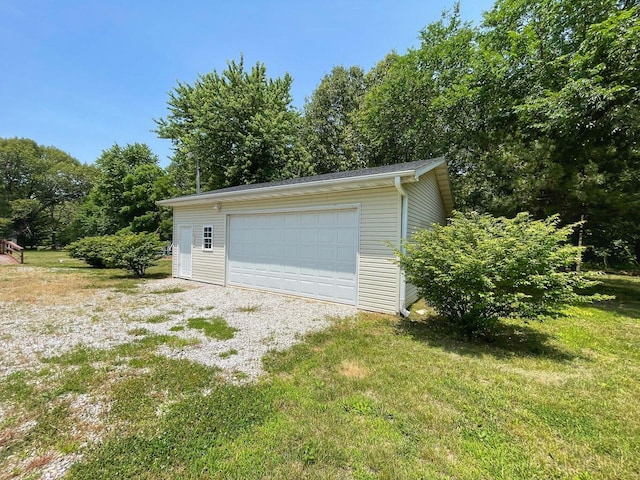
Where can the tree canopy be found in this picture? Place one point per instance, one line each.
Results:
(128, 183)
(537, 109)
(41, 189)
(238, 125)
(329, 130)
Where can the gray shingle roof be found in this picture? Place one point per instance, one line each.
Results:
(398, 167)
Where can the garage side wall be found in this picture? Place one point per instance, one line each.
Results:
(425, 208)
(207, 266)
(378, 276)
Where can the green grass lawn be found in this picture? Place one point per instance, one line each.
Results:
(371, 397)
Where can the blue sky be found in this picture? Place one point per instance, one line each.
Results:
(83, 75)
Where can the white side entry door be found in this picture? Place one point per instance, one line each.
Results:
(185, 247)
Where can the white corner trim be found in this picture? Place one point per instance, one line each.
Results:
(404, 218)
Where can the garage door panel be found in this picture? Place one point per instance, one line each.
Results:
(272, 235)
(326, 254)
(344, 257)
(309, 234)
(327, 235)
(312, 254)
(308, 253)
(347, 236)
(345, 218)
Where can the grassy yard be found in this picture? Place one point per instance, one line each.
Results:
(61, 276)
(371, 397)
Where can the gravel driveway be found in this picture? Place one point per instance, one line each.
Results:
(106, 318)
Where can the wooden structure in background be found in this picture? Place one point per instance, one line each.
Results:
(10, 252)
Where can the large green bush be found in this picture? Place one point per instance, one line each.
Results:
(479, 268)
(134, 252)
(94, 251)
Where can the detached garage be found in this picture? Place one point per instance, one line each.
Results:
(324, 237)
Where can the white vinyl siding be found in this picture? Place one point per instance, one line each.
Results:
(425, 208)
(207, 266)
(378, 275)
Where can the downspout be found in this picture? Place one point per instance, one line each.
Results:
(403, 238)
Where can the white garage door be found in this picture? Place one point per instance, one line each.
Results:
(312, 254)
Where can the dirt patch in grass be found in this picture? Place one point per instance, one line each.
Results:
(353, 369)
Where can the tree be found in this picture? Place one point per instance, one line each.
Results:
(536, 110)
(128, 183)
(420, 105)
(571, 70)
(48, 179)
(29, 222)
(330, 133)
(63, 184)
(479, 268)
(239, 126)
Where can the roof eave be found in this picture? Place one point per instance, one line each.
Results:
(284, 190)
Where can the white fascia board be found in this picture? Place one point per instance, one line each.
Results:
(283, 189)
(431, 166)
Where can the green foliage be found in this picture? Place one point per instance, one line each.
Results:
(537, 109)
(239, 125)
(479, 268)
(329, 131)
(128, 184)
(95, 251)
(40, 187)
(28, 220)
(216, 327)
(134, 252)
(419, 104)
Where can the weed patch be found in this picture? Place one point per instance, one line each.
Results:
(157, 319)
(168, 290)
(228, 353)
(248, 309)
(215, 327)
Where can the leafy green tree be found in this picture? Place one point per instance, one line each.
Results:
(330, 133)
(128, 183)
(570, 72)
(20, 162)
(479, 268)
(29, 221)
(46, 175)
(63, 184)
(538, 110)
(420, 105)
(238, 125)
